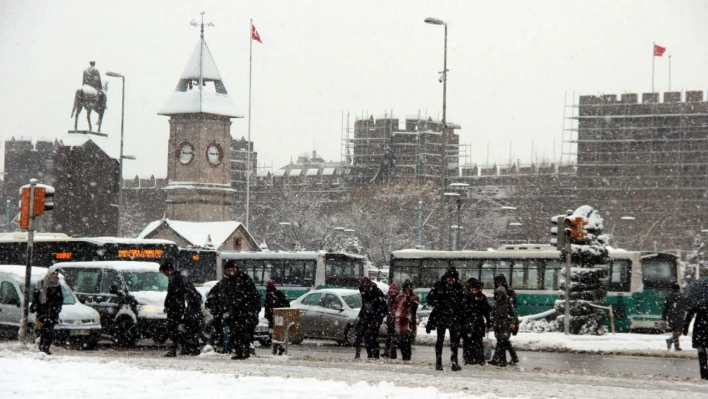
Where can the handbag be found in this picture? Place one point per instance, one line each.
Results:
(487, 346)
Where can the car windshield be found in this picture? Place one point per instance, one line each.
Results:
(68, 296)
(145, 281)
(353, 300)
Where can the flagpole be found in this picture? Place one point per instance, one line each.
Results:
(653, 56)
(669, 72)
(248, 154)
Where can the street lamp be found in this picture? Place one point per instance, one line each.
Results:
(122, 120)
(455, 230)
(443, 77)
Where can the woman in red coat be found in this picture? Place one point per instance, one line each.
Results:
(403, 310)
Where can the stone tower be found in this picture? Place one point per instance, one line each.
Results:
(198, 161)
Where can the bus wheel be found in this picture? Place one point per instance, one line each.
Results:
(125, 333)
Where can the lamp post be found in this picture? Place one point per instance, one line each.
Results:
(443, 77)
(120, 180)
(455, 229)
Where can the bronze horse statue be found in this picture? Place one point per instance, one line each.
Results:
(92, 100)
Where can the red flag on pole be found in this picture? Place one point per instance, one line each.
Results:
(255, 36)
(658, 50)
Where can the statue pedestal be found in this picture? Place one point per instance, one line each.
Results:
(88, 132)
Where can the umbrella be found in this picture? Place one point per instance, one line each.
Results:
(696, 294)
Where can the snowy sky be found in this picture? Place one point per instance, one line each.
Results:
(511, 64)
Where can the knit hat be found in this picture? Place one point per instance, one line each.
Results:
(270, 285)
(393, 289)
(407, 285)
(452, 273)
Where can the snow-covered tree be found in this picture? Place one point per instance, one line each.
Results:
(695, 259)
(589, 272)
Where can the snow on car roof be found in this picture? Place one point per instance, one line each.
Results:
(18, 271)
(337, 291)
(123, 266)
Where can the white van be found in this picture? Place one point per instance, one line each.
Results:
(78, 325)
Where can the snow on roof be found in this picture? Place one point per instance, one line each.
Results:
(18, 271)
(295, 172)
(280, 255)
(118, 265)
(312, 172)
(124, 240)
(107, 145)
(197, 233)
(262, 173)
(279, 172)
(328, 172)
(550, 252)
(185, 100)
(22, 236)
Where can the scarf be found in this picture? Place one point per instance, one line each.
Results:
(46, 283)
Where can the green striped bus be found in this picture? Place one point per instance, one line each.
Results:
(637, 283)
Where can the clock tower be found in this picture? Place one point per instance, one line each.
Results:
(199, 161)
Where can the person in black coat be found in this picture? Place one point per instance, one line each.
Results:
(673, 315)
(274, 299)
(193, 320)
(500, 281)
(448, 299)
(475, 321)
(504, 321)
(176, 309)
(47, 301)
(700, 334)
(238, 300)
(373, 310)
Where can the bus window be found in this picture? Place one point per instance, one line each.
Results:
(467, 268)
(620, 273)
(533, 272)
(658, 272)
(273, 270)
(294, 272)
(254, 272)
(517, 275)
(405, 269)
(308, 278)
(551, 274)
(487, 275)
(432, 271)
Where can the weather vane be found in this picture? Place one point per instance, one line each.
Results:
(194, 24)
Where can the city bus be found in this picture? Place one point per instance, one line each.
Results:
(637, 283)
(295, 273)
(50, 248)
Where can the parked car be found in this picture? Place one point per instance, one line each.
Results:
(330, 314)
(209, 335)
(128, 295)
(78, 325)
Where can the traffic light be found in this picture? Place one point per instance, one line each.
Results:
(43, 195)
(558, 239)
(575, 229)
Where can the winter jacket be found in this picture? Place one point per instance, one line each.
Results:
(174, 301)
(448, 303)
(510, 293)
(274, 299)
(476, 317)
(503, 315)
(48, 313)
(193, 298)
(673, 312)
(402, 311)
(700, 326)
(212, 302)
(238, 299)
(373, 308)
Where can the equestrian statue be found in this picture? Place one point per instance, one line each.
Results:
(91, 96)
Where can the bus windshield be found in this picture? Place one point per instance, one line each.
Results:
(658, 272)
(343, 271)
(145, 281)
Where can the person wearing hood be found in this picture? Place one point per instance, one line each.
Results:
(179, 293)
(238, 300)
(373, 310)
(500, 281)
(274, 299)
(47, 301)
(391, 338)
(504, 321)
(673, 315)
(476, 320)
(447, 298)
(403, 312)
(700, 334)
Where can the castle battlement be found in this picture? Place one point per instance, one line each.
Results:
(646, 98)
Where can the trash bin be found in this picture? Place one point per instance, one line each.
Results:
(286, 324)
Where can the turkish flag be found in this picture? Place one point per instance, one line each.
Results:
(658, 50)
(255, 36)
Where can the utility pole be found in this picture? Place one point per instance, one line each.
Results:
(28, 264)
(420, 226)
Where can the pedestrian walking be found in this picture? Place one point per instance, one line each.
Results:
(447, 298)
(403, 310)
(673, 315)
(504, 321)
(47, 301)
(475, 321)
(390, 347)
(218, 338)
(238, 302)
(700, 334)
(178, 289)
(193, 320)
(274, 299)
(373, 310)
(500, 281)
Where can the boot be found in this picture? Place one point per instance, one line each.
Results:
(438, 364)
(455, 366)
(171, 353)
(357, 353)
(668, 343)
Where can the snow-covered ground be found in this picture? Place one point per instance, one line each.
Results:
(640, 344)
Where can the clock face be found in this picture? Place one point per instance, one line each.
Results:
(214, 154)
(186, 153)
